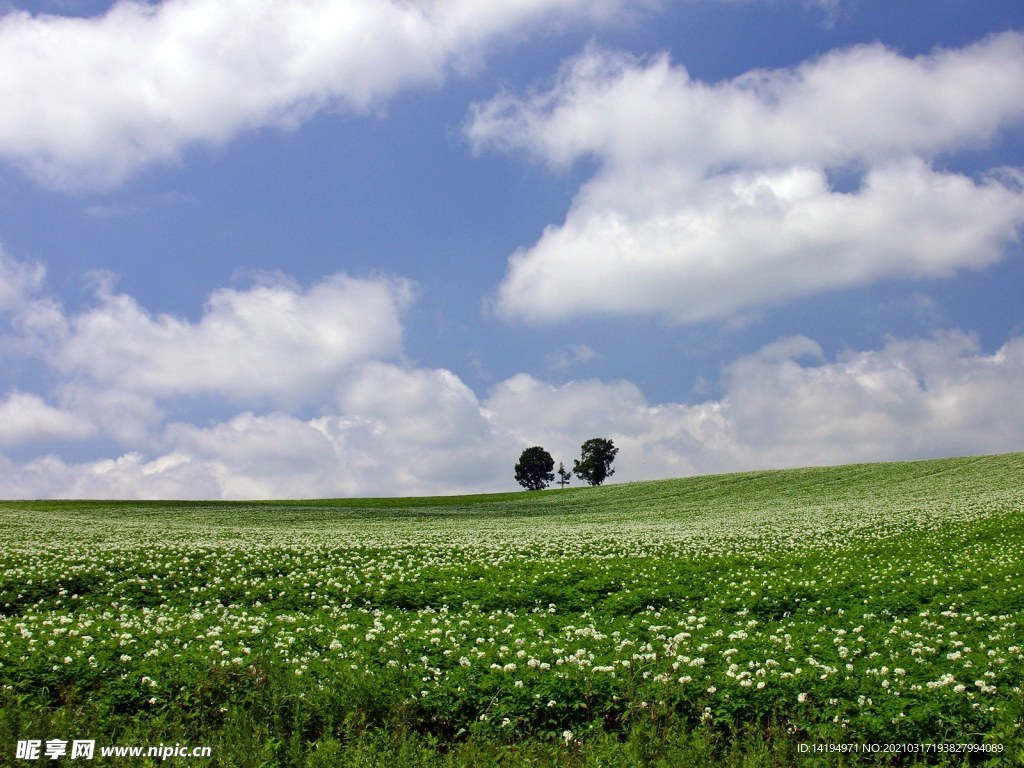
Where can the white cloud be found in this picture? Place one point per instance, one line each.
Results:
(251, 456)
(26, 417)
(861, 104)
(912, 398)
(654, 441)
(129, 476)
(269, 343)
(392, 430)
(120, 371)
(123, 369)
(127, 417)
(539, 413)
(786, 405)
(754, 239)
(89, 100)
(402, 431)
(418, 428)
(382, 427)
(714, 199)
(28, 319)
(18, 282)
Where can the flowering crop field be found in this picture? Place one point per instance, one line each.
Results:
(756, 618)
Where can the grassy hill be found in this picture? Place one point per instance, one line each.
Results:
(746, 618)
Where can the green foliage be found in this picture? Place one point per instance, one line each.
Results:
(722, 620)
(595, 462)
(564, 475)
(534, 469)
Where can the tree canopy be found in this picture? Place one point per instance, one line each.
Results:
(534, 470)
(595, 462)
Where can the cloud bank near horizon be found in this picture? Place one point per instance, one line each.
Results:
(380, 425)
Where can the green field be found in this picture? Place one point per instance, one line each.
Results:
(742, 619)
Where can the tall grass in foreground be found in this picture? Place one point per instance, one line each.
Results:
(742, 619)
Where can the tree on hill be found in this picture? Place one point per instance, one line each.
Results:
(595, 462)
(533, 471)
(564, 475)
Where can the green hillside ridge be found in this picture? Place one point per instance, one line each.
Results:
(804, 483)
(724, 619)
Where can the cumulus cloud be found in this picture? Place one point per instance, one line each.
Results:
(129, 476)
(787, 405)
(392, 431)
(258, 456)
(381, 426)
(710, 199)
(275, 343)
(121, 368)
(89, 100)
(940, 396)
(28, 318)
(25, 417)
(395, 430)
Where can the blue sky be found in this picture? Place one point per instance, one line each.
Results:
(357, 247)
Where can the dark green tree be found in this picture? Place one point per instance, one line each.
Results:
(533, 471)
(595, 462)
(564, 475)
